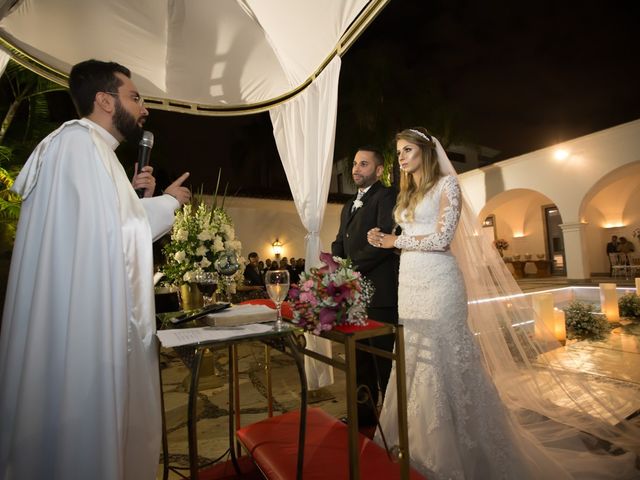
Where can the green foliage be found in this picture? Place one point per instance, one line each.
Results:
(389, 154)
(25, 121)
(9, 207)
(376, 104)
(583, 324)
(24, 109)
(629, 305)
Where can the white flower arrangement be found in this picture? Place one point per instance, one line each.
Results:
(198, 237)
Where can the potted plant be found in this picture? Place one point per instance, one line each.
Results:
(629, 305)
(585, 324)
(501, 245)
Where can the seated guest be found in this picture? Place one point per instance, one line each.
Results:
(294, 277)
(266, 267)
(275, 265)
(252, 274)
(625, 246)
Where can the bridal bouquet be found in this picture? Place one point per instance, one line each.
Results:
(199, 236)
(331, 295)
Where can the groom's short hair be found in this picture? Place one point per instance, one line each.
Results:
(377, 154)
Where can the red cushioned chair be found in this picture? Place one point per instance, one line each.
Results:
(273, 442)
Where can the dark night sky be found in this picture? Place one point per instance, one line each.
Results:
(512, 78)
(515, 76)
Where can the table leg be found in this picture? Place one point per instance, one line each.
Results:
(236, 396)
(401, 385)
(233, 406)
(192, 413)
(352, 408)
(165, 442)
(299, 359)
(267, 373)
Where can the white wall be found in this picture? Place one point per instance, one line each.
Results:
(258, 222)
(566, 182)
(519, 220)
(597, 184)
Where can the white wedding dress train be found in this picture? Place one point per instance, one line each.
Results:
(459, 427)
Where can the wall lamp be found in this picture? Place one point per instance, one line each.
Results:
(277, 248)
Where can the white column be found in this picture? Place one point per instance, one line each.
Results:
(575, 251)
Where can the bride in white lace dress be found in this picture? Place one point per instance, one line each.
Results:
(459, 428)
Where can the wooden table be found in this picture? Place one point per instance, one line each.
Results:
(543, 267)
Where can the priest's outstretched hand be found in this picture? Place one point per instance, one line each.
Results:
(177, 191)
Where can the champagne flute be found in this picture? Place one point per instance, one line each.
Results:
(277, 283)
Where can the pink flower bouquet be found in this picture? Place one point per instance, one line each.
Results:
(334, 294)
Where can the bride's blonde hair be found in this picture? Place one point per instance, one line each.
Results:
(410, 192)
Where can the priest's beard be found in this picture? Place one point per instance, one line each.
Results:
(126, 123)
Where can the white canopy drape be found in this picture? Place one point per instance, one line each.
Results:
(223, 57)
(304, 130)
(197, 56)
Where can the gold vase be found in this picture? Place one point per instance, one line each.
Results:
(191, 296)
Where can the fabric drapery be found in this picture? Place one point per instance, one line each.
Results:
(222, 54)
(4, 60)
(549, 397)
(304, 130)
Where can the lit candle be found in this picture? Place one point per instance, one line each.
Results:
(609, 301)
(543, 309)
(560, 325)
(637, 286)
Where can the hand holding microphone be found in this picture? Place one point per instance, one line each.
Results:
(143, 182)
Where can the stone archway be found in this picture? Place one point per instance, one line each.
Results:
(519, 219)
(611, 207)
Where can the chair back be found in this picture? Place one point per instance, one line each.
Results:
(634, 259)
(617, 259)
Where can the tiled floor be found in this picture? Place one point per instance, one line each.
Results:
(617, 359)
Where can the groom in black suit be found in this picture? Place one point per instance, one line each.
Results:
(371, 207)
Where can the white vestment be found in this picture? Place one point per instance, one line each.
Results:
(79, 381)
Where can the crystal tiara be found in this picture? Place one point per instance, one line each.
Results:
(420, 134)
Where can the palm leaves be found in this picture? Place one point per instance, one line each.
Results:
(9, 206)
(25, 121)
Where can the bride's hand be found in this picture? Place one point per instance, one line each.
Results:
(379, 239)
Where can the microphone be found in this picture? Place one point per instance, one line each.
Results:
(144, 152)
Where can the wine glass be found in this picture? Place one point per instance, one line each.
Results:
(277, 283)
(207, 283)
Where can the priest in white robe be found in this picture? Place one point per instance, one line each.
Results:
(79, 382)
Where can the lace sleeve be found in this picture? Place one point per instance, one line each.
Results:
(449, 215)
